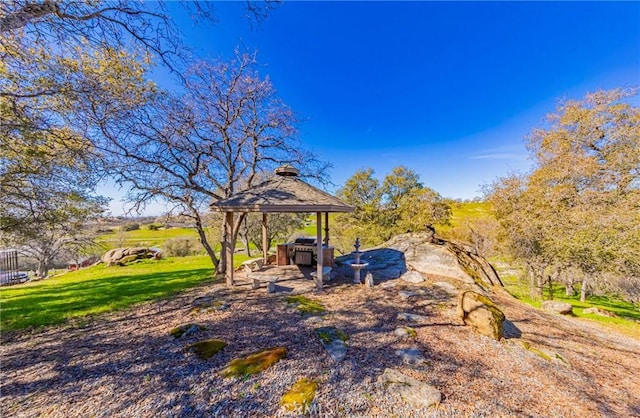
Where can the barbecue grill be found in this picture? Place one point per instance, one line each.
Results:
(303, 251)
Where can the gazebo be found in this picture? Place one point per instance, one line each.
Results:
(284, 192)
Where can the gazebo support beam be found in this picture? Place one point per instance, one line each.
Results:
(326, 229)
(265, 250)
(229, 245)
(319, 251)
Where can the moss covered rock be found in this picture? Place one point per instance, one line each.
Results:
(333, 340)
(481, 313)
(207, 348)
(186, 329)
(305, 305)
(255, 363)
(300, 396)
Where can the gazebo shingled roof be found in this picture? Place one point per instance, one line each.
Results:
(283, 193)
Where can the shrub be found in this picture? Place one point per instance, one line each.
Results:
(153, 227)
(181, 247)
(131, 227)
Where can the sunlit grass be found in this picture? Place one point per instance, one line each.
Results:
(626, 313)
(100, 289)
(464, 211)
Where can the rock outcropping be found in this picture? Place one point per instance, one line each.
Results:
(122, 256)
(410, 255)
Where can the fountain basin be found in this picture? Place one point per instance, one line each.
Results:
(356, 270)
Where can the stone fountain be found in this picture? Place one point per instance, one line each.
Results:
(357, 265)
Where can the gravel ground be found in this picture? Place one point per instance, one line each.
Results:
(127, 365)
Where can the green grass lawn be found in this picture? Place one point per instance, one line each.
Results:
(100, 289)
(144, 237)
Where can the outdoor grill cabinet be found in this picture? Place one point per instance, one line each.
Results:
(282, 254)
(302, 252)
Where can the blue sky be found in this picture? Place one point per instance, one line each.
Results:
(448, 89)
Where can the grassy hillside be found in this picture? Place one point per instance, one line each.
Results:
(144, 237)
(464, 211)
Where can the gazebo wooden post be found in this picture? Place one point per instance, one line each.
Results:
(326, 229)
(265, 250)
(319, 245)
(229, 247)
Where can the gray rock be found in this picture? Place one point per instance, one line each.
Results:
(314, 320)
(447, 287)
(414, 392)
(598, 311)
(271, 287)
(404, 332)
(406, 316)
(333, 340)
(556, 306)
(406, 294)
(337, 350)
(388, 284)
(411, 356)
(368, 280)
(412, 277)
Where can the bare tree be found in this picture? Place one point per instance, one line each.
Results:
(227, 131)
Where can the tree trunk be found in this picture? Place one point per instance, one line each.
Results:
(568, 288)
(534, 283)
(205, 242)
(43, 269)
(245, 239)
(583, 289)
(222, 265)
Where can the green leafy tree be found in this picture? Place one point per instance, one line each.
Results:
(578, 209)
(400, 204)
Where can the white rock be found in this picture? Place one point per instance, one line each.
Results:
(406, 316)
(416, 393)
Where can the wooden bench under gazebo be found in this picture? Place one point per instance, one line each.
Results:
(284, 192)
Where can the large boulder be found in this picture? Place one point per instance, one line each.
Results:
(434, 257)
(479, 312)
(122, 256)
(557, 306)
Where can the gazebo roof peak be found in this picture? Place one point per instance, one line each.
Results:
(287, 170)
(282, 192)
